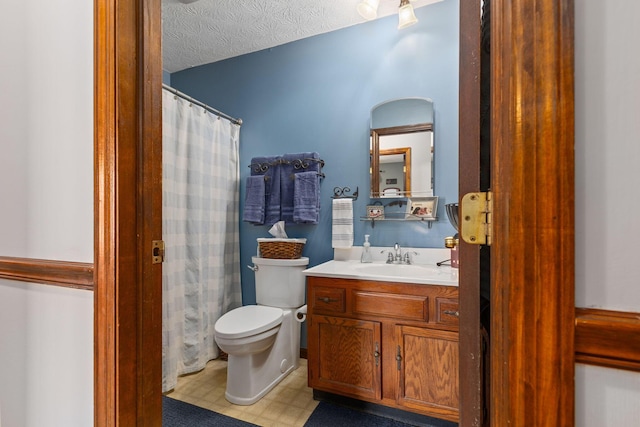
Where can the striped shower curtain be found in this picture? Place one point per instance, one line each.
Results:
(201, 273)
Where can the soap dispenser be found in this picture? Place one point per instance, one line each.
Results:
(366, 250)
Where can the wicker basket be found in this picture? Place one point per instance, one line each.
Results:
(281, 248)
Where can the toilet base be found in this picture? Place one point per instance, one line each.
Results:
(245, 401)
(251, 376)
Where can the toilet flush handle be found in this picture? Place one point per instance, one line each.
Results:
(252, 267)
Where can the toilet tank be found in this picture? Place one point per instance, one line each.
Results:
(280, 282)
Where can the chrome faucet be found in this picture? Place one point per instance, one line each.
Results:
(398, 251)
(396, 256)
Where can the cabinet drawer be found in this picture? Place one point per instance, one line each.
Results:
(447, 311)
(330, 300)
(410, 307)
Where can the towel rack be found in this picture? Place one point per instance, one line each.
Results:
(297, 164)
(341, 193)
(263, 167)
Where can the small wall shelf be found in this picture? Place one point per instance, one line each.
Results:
(401, 217)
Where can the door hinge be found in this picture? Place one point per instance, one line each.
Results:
(476, 222)
(157, 251)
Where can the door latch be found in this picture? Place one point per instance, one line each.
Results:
(157, 251)
(476, 222)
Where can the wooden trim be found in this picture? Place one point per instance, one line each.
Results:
(149, 216)
(128, 132)
(532, 268)
(67, 274)
(608, 338)
(471, 398)
(398, 130)
(105, 125)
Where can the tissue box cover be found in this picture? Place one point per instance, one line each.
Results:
(281, 248)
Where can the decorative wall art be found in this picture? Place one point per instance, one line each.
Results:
(422, 208)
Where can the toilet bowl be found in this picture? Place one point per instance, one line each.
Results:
(263, 340)
(248, 329)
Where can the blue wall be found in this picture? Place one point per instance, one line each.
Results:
(316, 94)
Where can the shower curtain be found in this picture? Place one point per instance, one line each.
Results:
(200, 222)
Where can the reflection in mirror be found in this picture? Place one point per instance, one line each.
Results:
(401, 148)
(403, 159)
(395, 171)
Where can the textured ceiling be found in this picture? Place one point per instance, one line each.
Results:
(197, 32)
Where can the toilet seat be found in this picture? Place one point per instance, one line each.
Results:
(247, 320)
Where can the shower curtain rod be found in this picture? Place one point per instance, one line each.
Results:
(201, 104)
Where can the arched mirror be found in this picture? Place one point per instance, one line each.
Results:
(401, 148)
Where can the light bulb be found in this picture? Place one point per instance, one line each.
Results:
(368, 9)
(406, 17)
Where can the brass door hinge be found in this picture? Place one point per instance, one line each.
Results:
(476, 212)
(157, 252)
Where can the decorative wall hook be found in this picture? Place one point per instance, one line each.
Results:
(342, 193)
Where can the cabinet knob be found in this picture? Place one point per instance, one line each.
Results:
(452, 313)
(399, 357)
(327, 300)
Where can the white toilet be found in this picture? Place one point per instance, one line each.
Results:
(263, 341)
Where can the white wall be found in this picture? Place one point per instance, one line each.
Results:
(607, 192)
(13, 149)
(46, 210)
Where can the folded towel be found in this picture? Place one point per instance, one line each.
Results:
(342, 230)
(306, 197)
(272, 186)
(254, 200)
(287, 170)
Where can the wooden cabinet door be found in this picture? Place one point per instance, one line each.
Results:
(344, 356)
(428, 375)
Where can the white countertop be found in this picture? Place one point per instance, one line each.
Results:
(422, 271)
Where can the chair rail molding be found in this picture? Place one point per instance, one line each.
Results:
(68, 274)
(608, 338)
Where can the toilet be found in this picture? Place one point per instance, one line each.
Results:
(263, 340)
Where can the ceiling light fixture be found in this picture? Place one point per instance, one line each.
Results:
(406, 17)
(368, 9)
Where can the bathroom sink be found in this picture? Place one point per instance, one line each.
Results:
(398, 270)
(382, 272)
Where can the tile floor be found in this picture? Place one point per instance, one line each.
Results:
(289, 404)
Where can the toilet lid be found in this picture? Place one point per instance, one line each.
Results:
(248, 320)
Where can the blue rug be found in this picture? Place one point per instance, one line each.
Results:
(329, 414)
(181, 414)
(176, 413)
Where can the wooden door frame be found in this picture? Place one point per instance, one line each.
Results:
(127, 211)
(471, 354)
(532, 272)
(532, 255)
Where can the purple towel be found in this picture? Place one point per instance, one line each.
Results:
(254, 200)
(293, 164)
(272, 185)
(306, 197)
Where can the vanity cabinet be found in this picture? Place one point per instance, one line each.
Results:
(395, 344)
